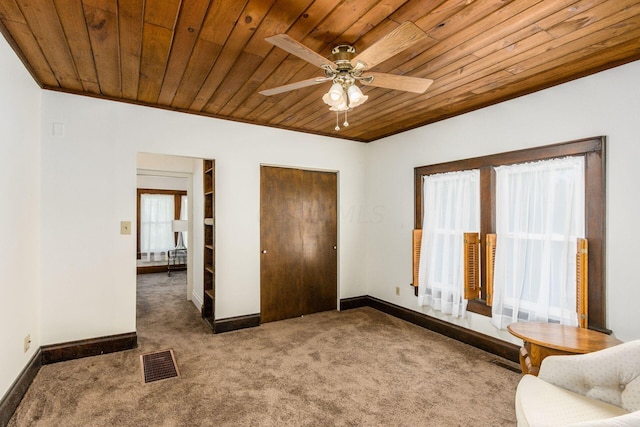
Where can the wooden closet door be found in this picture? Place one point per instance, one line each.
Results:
(319, 242)
(298, 237)
(281, 243)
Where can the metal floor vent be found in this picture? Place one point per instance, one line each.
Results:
(159, 365)
(507, 365)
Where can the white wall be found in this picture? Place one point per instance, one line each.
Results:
(164, 163)
(19, 214)
(89, 182)
(607, 103)
(155, 182)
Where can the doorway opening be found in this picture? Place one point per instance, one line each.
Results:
(170, 231)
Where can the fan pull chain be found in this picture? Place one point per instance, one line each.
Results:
(337, 125)
(346, 123)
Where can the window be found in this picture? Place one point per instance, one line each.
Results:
(155, 211)
(156, 214)
(539, 217)
(592, 151)
(451, 206)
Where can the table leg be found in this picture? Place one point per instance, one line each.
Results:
(526, 365)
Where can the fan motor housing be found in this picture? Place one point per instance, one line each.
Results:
(342, 55)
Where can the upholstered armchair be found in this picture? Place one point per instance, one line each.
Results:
(596, 389)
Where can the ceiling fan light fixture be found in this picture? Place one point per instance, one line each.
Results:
(356, 97)
(346, 68)
(335, 96)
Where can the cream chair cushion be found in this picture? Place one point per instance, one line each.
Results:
(539, 403)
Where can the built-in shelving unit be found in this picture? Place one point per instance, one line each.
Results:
(209, 297)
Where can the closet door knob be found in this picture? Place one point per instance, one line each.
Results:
(264, 251)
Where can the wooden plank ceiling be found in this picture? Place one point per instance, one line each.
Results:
(209, 57)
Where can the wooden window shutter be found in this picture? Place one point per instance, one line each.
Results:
(417, 244)
(471, 266)
(582, 283)
(490, 264)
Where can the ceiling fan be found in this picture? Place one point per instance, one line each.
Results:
(347, 68)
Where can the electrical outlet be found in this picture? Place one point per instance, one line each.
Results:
(27, 342)
(397, 290)
(125, 227)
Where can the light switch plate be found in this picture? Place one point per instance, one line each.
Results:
(125, 227)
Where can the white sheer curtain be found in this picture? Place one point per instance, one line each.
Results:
(184, 215)
(451, 207)
(156, 237)
(539, 215)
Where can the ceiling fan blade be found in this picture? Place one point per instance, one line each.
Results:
(402, 38)
(294, 86)
(296, 48)
(392, 81)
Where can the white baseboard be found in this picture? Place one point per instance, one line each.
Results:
(197, 301)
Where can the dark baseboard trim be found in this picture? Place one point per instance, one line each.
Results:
(14, 395)
(234, 323)
(58, 353)
(89, 347)
(484, 342)
(151, 269)
(354, 302)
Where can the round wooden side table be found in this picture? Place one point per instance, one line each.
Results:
(547, 339)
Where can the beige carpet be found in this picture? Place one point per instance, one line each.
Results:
(353, 368)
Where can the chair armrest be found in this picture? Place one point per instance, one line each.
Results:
(607, 375)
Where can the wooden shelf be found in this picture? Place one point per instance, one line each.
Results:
(209, 284)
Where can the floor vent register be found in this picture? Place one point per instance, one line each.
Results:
(159, 365)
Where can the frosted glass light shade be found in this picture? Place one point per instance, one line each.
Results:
(355, 96)
(335, 96)
(341, 107)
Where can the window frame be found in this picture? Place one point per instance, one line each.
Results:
(594, 152)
